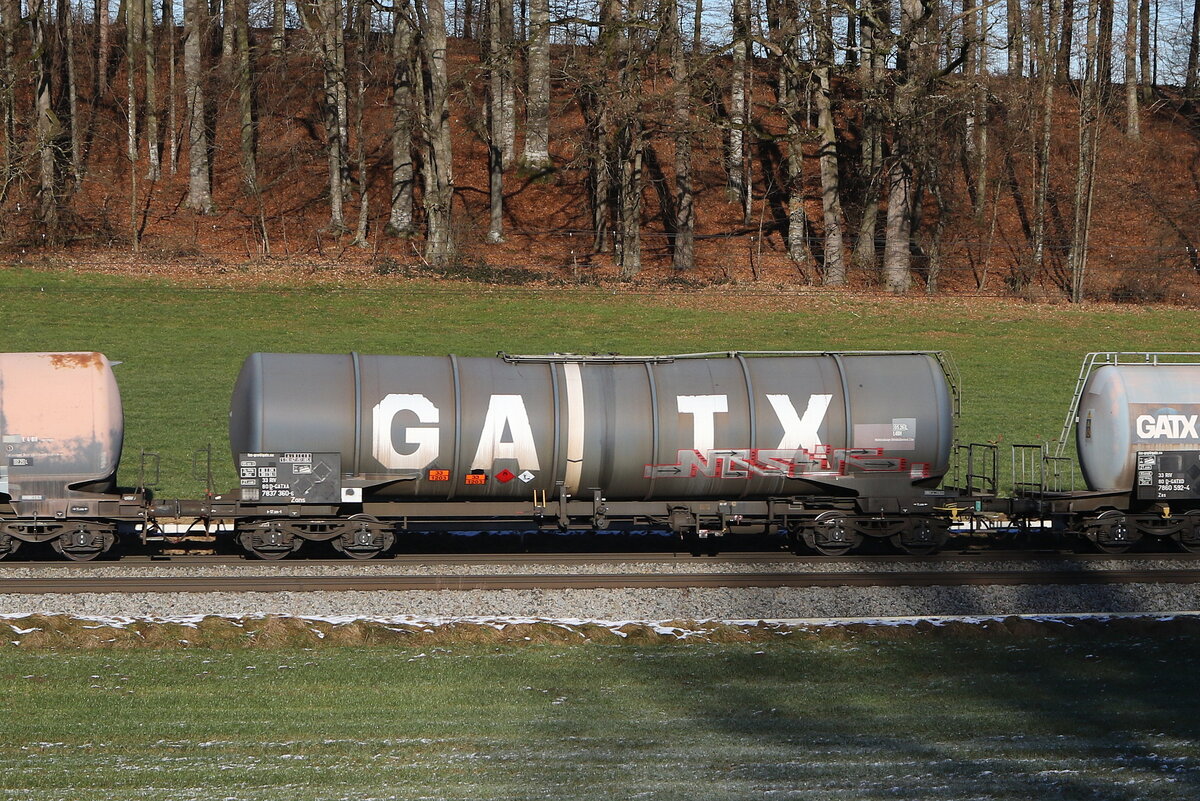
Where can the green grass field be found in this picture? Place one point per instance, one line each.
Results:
(181, 346)
(1067, 716)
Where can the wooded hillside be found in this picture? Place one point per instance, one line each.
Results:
(1045, 148)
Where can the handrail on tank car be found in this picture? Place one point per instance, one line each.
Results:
(557, 358)
(1101, 358)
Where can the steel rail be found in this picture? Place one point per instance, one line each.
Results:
(260, 584)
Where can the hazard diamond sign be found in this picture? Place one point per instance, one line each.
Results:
(505, 476)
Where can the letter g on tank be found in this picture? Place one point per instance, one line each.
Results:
(420, 442)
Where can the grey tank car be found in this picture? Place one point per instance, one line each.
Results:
(709, 426)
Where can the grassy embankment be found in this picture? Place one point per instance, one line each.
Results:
(1074, 715)
(182, 346)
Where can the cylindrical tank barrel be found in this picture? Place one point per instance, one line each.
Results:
(61, 423)
(721, 426)
(1126, 409)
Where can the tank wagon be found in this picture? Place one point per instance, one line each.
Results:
(827, 447)
(1135, 420)
(62, 428)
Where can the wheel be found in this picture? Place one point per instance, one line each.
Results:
(1189, 538)
(921, 538)
(269, 542)
(1112, 533)
(84, 542)
(367, 540)
(8, 545)
(829, 534)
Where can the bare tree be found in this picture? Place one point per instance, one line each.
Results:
(1191, 86)
(199, 195)
(278, 26)
(629, 139)
(831, 203)
(537, 96)
(1047, 44)
(362, 27)
(683, 245)
(150, 54)
(1132, 124)
(1085, 173)
(736, 155)
(902, 166)
(323, 19)
(875, 35)
(243, 61)
(172, 90)
(495, 102)
(400, 222)
(48, 127)
(437, 150)
(1016, 39)
(66, 23)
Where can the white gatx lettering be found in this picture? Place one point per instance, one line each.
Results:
(506, 412)
(703, 409)
(423, 437)
(1168, 426)
(800, 432)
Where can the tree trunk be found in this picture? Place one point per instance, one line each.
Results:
(630, 142)
(1042, 152)
(1085, 173)
(199, 195)
(1132, 126)
(1146, 85)
(495, 118)
(537, 100)
(870, 77)
(1016, 40)
(244, 80)
(67, 21)
(47, 122)
(831, 202)
(278, 26)
(736, 157)
(901, 171)
(1063, 70)
(102, 45)
(400, 222)
(1191, 86)
(227, 26)
(683, 247)
(362, 34)
(438, 151)
(508, 105)
(150, 52)
(1104, 48)
(172, 118)
(133, 32)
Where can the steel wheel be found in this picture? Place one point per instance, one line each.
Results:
(830, 535)
(921, 539)
(84, 542)
(1113, 533)
(1189, 538)
(269, 542)
(367, 539)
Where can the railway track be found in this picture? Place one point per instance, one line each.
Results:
(591, 571)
